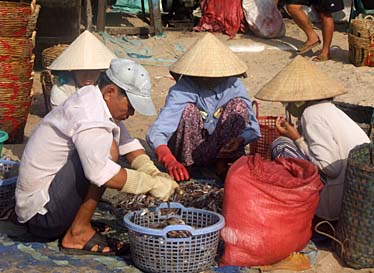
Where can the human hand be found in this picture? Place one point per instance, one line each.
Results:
(286, 129)
(164, 188)
(159, 186)
(176, 170)
(231, 146)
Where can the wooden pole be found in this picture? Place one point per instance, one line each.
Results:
(143, 10)
(88, 15)
(155, 14)
(101, 12)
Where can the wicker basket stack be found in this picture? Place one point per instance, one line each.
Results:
(17, 40)
(361, 41)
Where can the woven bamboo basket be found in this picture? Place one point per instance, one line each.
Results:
(15, 102)
(35, 9)
(16, 70)
(51, 53)
(15, 48)
(361, 27)
(355, 228)
(14, 18)
(361, 50)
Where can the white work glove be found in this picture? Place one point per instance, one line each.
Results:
(139, 182)
(143, 163)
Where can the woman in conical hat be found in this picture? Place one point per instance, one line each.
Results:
(78, 65)
(207, 118)
(325, 134)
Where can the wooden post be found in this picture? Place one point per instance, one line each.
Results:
(155, 14)
(88, 15)
(101, 12)
(143, 10)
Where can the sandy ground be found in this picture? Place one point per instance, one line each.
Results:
(264, 58)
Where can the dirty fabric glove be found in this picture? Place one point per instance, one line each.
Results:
(143, 163)
(139, 182)
(164, 188)
(176, 170)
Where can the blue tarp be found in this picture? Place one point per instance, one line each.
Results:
(130, 6)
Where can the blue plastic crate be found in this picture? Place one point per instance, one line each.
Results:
(152, 249)
(8, 185)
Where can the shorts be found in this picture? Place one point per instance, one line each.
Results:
(326, 6)
(67, 192)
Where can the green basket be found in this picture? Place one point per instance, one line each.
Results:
(355, 227)
(3, 138)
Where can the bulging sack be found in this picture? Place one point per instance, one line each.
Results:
(263, 18)
(268, 208)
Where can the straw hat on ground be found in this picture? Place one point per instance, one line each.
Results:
(86, 52)
(209, 57)
(300, 81)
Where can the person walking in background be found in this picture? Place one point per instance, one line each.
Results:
(324, 9)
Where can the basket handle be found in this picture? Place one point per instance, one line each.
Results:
(178, 228)
(255, 107)
(169, 205)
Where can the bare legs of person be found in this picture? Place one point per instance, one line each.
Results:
(301, 19)
(327, 32)
(81, 231)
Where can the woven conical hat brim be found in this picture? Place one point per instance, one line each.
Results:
(86, 52)
(209, 57)
(300, 81)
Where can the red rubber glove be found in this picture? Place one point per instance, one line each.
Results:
(176, 170)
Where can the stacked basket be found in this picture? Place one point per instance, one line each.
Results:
(17, 36)
(361, 41)
(46, 77)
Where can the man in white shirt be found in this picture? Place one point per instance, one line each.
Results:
(71, 158)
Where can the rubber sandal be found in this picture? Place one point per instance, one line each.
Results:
(96, 240)
(306, 48)
(320, 58)
(100, 226)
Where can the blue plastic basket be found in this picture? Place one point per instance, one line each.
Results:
(153, 251)
(8, 184)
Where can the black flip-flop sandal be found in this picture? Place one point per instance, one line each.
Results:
(96, 240)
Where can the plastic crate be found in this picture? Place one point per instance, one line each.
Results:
(8, 184)
(152, 250)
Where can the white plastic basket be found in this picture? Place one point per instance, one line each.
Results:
(152, 250)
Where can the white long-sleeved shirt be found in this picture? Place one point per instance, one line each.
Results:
(82, 123)
(60, 92)
(328, 136)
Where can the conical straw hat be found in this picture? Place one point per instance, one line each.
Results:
(300, 80)
(209, 57)
(84, 53)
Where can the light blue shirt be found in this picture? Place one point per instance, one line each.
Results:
(186, 91)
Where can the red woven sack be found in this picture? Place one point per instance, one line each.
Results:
(268, 209)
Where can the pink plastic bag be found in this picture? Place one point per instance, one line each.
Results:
(268, 209)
